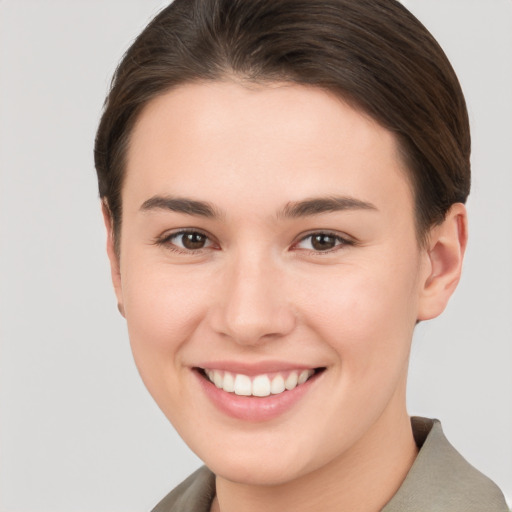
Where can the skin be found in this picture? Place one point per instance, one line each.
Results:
(258, 290)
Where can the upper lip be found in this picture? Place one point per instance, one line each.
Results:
(252, 369)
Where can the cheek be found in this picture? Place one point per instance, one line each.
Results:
(367, 317)
(163, 309)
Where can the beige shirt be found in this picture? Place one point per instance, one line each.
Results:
(440, 480)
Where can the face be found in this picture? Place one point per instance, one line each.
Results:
(268, 244)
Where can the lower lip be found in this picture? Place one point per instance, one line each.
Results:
(252, 408)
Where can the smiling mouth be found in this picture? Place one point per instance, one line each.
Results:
(262, 385)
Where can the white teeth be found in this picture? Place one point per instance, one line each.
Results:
(243, 385)
(217, 378)
(229, 382)
(261, 385)
(291, 381)
(303, 377)
(277, 385)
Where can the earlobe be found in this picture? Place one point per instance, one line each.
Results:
(113, 256)
(444, 256)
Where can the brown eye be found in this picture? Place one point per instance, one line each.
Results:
(185, 241)
(193, 241)
(323, 242)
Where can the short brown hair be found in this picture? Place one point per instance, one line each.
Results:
(373, 53)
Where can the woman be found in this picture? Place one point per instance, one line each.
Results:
(283, 186)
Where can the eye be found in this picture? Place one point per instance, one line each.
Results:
(185, 241)
(322, 242)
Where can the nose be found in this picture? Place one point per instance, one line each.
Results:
(253, 307)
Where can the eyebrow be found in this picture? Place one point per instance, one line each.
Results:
(181, 205)
(295, 209)
(318, 205)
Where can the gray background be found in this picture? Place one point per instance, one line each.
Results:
(78, 432)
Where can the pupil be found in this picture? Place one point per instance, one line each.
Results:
(323, 242)
(193, 240)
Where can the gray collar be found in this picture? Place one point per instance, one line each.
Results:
(441, 479)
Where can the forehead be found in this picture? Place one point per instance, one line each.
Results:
(260, 143)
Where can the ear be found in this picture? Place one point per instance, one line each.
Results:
(443, 257)
(113, 256)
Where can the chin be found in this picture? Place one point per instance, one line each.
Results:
(255, 473)
(262, 464)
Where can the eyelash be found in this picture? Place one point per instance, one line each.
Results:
(340, 242)
(166, 241)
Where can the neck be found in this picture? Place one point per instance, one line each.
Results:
(363, 480)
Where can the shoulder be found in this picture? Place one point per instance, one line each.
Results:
(195, 493)
(442, 480)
